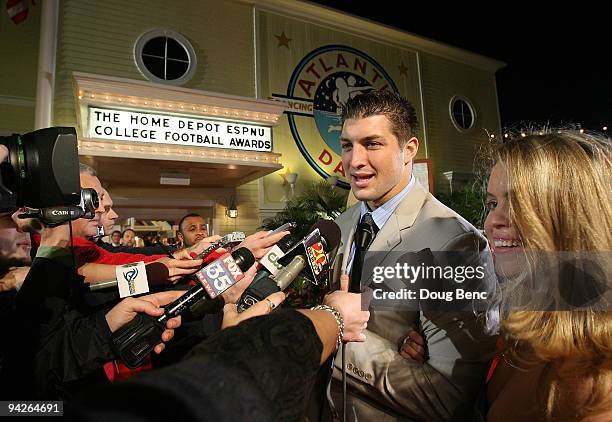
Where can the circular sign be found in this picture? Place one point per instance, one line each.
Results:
(326, 78)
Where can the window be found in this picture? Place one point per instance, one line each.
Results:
(165, 56)
(462, 113)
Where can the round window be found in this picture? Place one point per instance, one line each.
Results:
(462, 113)
(165, 56)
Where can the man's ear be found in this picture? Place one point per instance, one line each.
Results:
(411, 148)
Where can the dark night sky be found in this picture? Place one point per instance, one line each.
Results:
(558, 63)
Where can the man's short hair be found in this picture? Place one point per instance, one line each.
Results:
(128, 230)
(399, 111)
(117, 231)
(84, 168)
(180, 224)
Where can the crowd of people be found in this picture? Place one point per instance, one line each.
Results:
(540, 351)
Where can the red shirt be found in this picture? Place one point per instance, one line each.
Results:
(87, 251)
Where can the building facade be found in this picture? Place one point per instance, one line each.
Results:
(231, 102)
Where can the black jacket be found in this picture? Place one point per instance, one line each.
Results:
(51, 342)
(260, 370)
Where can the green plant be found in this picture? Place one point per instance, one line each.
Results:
(319, 200)
(468, 202)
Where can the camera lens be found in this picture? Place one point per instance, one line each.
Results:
(89, 200)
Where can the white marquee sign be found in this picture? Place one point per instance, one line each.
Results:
(122, 125)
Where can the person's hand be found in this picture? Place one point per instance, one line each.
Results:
(231, 316)
(13, 279)
(413, 347)
(179, 268)
(233, 294)
(197, 248)
(260, 243)
(55, 236)
(349, 306)
(126, 310)
(26, 225)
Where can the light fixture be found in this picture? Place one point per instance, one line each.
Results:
(291, 178)
(177, 179)
(232, 210)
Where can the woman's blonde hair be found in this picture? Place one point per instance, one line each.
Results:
(560, 202)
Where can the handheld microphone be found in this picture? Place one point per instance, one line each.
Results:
(228, 239)
(134, 341)
(270, 259)
(363, 238)
(271, 266)
(308, 257)
(157, 275)
(324, 237)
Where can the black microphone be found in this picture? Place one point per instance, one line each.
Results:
(309, 257)
(134, 341)
(157, 276)
(324, 237)
(270, 259)
(271, 266)
(363, 238)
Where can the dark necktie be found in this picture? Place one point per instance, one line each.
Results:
(364, 236)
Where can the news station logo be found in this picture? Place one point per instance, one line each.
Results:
(317, 259)
(321, 84)
(219, 275)
(130, 277)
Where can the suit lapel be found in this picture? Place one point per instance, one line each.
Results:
(389, 238)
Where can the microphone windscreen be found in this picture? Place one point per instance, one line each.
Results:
(329, 231)
(157, 274)
(244, 258)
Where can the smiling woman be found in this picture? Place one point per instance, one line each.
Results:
(550, 210)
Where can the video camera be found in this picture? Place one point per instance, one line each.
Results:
(41, 172)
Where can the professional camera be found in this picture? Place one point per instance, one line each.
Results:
(42, 173)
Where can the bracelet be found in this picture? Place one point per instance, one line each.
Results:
(337, 316)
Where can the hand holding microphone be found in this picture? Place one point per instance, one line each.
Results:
(126, 310)
(135, 340)
(307, 257)
(261, 242)
(232, 317)
(179, 268)
(186, 253)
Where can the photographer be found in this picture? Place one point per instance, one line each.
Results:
(52, 339)
(52, 346)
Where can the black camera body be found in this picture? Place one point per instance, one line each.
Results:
(42, 169)
(42, 173)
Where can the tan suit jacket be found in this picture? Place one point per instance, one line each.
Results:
(384, 386)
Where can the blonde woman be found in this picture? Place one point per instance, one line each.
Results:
(549, 225)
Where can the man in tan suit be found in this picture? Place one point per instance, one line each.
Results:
(384, 382)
